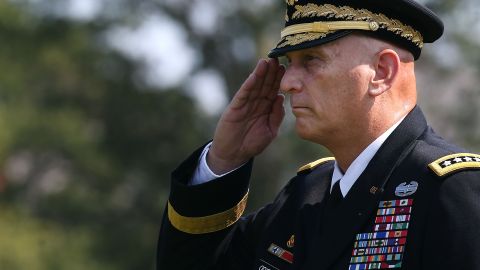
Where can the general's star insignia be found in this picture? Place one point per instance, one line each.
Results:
(456, 162)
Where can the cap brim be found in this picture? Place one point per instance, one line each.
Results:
(277, 52)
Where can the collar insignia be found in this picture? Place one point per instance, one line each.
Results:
(291, 241)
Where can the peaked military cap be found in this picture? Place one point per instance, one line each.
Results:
(309, 23)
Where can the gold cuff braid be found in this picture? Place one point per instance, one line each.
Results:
(207, 224)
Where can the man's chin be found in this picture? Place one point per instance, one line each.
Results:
(306, 132)
(302, 131)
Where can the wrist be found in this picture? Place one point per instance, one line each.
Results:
(221, 166)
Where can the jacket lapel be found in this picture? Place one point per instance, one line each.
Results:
(348, 219)
(315, 193)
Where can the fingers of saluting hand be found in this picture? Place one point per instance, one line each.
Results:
(272, 95)
(268, 82)
(263, 83)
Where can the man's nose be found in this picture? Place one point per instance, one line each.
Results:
(291, 80)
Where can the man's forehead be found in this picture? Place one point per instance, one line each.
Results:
(313, 50)
(353, 42)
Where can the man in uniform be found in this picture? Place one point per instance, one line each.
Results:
(394, 196)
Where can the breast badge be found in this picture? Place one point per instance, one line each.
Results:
(383, 247)
(281, 253)
(406, 189)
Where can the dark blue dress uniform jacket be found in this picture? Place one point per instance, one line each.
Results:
(416, 206)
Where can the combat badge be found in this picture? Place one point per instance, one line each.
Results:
(405, 189)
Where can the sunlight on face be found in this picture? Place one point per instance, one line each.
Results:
(328, 86)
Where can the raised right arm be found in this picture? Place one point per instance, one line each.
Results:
(202, 222)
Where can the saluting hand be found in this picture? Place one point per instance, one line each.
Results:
(251, 120)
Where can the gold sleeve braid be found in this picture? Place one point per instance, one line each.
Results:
(207, 224)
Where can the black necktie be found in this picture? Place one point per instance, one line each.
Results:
(336, 195)
(333, 200)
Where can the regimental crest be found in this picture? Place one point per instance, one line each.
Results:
(406, 189)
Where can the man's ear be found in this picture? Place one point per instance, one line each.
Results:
(386, 65)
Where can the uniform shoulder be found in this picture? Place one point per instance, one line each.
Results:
(310, 166)
(453, 163)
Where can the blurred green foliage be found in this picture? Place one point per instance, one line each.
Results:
(85, 151)
(86, 148)
(30, 243)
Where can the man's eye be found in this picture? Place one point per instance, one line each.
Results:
(309, 58)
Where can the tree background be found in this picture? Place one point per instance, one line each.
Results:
(101, 99)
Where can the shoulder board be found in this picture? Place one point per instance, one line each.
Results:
(314, 164)
(456, 162)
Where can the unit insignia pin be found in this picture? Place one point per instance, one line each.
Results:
(291, 241)
(405, 189)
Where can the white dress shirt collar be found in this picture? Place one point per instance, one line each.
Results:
(360, 163)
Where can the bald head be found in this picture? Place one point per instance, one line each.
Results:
(375, 45)
(394, 73)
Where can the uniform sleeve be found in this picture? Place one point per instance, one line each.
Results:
(453, 237)
(203, 173)
(202, 225)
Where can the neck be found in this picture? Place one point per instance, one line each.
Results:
(345, 153)
(349, 148)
